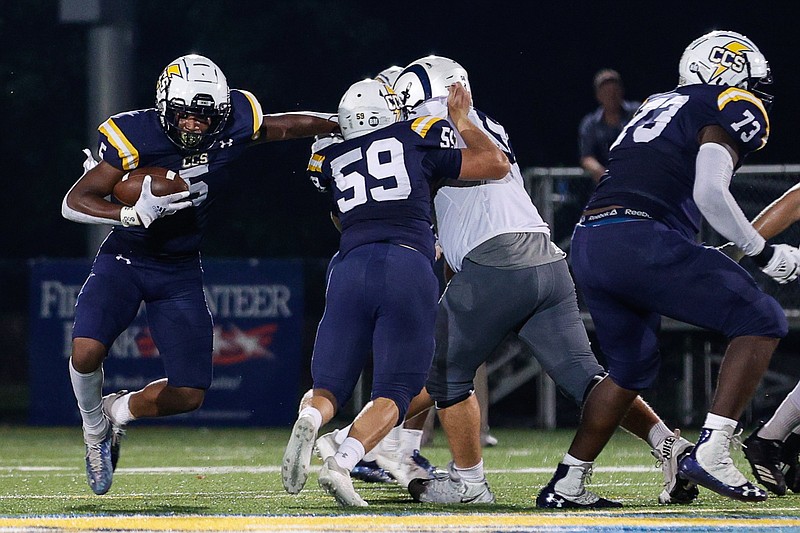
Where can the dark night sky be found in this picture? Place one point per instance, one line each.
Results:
(530, 66)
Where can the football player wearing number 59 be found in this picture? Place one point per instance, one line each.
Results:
(635, 255)
(381, 292)
(152, 254)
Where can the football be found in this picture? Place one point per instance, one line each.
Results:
(163, 182)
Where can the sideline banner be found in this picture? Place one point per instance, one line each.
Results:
(257, 307)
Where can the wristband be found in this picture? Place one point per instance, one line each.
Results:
(129, 217)
(762, 258)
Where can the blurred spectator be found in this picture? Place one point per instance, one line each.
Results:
(600, 128)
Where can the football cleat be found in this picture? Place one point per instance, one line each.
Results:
(710, 465)
(370, 472)
(449, 487)
(765, 458)
(297, 457)
(488, 440)
(404, 467)
(423, 463)
(677, 488)
(116, 428)
(567, 490)
(791, 466)
(99, 468)
(325, 446)
(336, 481)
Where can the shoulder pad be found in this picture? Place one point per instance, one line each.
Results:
(248, 106)
(126, 152)
(423, 124)
(745, 117)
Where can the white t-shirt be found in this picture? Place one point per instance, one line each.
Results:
(469, 216)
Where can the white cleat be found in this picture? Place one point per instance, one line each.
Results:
(297, 457)
(401, 466)
(336, 481)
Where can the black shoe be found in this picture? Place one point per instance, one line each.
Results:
(370, 472)
(567, 491)
(791, 466)
(765, 460)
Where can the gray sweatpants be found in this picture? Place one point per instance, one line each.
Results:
(482, 304)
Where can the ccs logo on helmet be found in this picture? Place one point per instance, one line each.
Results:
(731, 56)
(394, 101)
(163, 81)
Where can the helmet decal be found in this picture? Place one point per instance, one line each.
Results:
(731, 56)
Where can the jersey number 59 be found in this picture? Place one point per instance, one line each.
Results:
(398, 188)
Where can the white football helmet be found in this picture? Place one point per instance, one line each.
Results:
(389, 75)
(724, 58)
(368, 105)
(192, 85)
(428, 77)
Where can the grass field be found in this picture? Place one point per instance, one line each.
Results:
(229, 479)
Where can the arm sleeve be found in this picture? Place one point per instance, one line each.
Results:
(713, 172)
(76, 216)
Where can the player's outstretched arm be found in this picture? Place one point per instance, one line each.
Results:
(780, 214)
(481, 159)
(296, 125)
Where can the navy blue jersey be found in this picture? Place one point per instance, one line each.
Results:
(652, 163)
(381, 182)
(136, 139)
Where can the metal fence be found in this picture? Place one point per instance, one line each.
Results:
(560, 193)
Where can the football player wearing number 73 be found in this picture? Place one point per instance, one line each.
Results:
(635, 256)
(152, 254)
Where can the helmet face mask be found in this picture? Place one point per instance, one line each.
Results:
(192, 85)
(367, 106)
(428, 77)
(725, 58)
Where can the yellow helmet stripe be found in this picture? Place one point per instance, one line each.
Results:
(421, 125)
(258, 114)
(734, 94)
(127, 153)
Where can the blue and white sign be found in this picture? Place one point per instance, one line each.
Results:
(257, 307)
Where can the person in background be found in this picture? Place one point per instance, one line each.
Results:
(152, 255)
(602, 126)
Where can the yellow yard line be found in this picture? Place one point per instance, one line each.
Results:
(374, 523)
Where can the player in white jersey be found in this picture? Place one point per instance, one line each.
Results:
(509, 277)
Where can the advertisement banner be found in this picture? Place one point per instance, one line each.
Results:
(257, 307)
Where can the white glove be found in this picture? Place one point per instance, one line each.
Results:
(90, 161)
(784, 265)
(323, 141)
(150, 207)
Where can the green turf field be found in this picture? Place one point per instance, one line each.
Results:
(210, 472)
